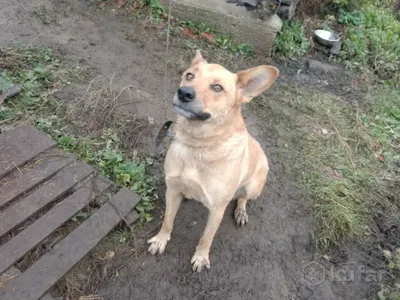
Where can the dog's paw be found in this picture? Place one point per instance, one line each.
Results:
(241, 216)
(158, 243)
(199, 261)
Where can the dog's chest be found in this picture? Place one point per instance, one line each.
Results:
(194, 183)
(200, 179)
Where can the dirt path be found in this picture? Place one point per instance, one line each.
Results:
(263, 260)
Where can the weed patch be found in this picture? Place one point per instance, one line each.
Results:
(345, 157)
(372, 42)
(291, 41)
(391, 292)
(222, 41)
(40, 74)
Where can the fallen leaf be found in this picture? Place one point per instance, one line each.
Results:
(120, 3)
(208, 36)
(189, 33)
(381, 157)
(110, 254)
(387, 254)
(146, 24)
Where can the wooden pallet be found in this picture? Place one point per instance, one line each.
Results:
(42, 188)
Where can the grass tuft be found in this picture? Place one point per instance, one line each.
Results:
(345, 157)
(40, 74)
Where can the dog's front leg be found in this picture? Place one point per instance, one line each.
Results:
(173, 201)
(201, 256)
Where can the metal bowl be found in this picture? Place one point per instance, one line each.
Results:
(326, 38)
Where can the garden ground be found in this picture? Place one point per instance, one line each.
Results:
(324, 158)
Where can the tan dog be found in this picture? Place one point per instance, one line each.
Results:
(212, 155)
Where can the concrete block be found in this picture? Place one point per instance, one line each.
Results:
(287, 2)
(286, 12)
(229, 18)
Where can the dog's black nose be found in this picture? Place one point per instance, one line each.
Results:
(186, 94)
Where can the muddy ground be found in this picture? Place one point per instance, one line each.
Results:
(265, 259)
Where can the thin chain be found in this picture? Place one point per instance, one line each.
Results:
(166, 60)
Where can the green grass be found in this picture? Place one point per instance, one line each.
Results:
(345, 158)
(41, 73)
(291, 41)
(372, 42)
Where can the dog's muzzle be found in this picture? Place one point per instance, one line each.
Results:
(186, 105)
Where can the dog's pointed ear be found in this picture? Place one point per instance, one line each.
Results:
(255, 81)
(198, 58)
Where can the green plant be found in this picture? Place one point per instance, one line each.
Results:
(391, 292)
(222, 41)
(342, 155)
(197, 28)
(353, 17)
(155, 6)
(372, 42)
(39, 72)
(67, 142)
(80, 216)
(291, 42)
(6, 114)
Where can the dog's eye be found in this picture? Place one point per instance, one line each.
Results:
(217, 88)
(189, 76)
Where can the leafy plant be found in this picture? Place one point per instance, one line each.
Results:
(391, 292)
(373, 42)
(6, 113)
(353, 18)
(67, 141)
(155, 6)
(40, 71)
(291, 42)
(222, 41)
(80, 216)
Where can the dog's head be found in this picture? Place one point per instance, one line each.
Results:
(208, 92)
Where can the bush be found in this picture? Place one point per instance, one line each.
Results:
(372, 42)
(291, 41)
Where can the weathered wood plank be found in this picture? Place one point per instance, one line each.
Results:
(43, 274)
(17, 247)
(132, 217)
(13, 273)
(61, 184)
(7, 277)
(32, 178)
(21, 145)
(47, 297)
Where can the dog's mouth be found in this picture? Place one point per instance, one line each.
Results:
(190, 114)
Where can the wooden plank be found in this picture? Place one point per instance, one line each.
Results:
(132, 217)
(47, 297)
(21, 145)
(51, 267)
(44, 170)
(14, 273)
(17, 247)
(61, 184)
(7, 277)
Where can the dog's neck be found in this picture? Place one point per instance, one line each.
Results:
(201, 134)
